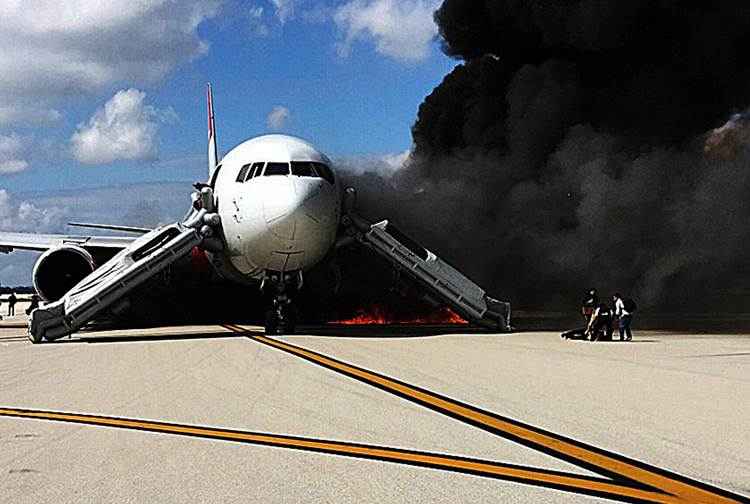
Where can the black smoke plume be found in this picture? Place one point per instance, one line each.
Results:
(585, 143)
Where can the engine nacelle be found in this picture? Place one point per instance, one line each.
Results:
(59, 269)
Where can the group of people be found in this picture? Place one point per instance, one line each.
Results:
(13, 299)
(600, 318)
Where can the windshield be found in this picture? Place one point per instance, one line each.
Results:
(276, 169)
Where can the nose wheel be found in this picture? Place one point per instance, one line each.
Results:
(281, 317)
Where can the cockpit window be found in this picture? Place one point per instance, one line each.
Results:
(257, 169)
(243, 172)
(298, 168)
(312, 169)
(324, 171)
(303, 169)
(276, 169)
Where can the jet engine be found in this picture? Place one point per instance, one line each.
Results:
(59, 269)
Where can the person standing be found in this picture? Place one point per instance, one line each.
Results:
(12, 299)
(624, 316)
(34, 304)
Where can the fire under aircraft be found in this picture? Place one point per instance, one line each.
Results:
(271, 209)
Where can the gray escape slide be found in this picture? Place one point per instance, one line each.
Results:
(440, 279)
(110, 283)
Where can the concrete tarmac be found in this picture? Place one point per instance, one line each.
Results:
(671, 402)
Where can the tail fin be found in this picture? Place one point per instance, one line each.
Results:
(213, 154)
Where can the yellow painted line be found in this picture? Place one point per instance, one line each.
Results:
(538, 477)
(672, 486)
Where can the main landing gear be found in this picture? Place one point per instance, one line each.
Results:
(281, 316)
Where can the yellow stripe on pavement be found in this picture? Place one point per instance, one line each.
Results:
(538, 477)
(673, 488)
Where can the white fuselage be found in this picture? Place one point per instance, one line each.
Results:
(281, 212)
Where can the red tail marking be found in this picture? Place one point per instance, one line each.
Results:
(210, 112)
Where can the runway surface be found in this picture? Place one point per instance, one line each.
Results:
(225, 414)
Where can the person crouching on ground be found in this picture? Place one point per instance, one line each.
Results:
(600, 326)
(624, 317)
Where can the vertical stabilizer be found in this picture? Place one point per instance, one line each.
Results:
(212, 152)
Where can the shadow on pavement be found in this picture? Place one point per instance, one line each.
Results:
(727, 323)
(144, 338)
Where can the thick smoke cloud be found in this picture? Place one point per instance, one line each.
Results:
(585, 143)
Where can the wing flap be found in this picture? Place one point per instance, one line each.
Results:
(41, 242)
(111, 227)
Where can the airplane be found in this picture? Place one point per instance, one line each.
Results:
(271, 209)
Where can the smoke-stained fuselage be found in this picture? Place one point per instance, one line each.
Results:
(280, 205)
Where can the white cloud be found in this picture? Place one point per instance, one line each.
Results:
(278, 118)
(400, 29)
(26, 216)
(308, 11)
(124, 129)
(316, 14)
(52, 50)
(38, 219)
(13, 166)
(28, 114)
(284, 9)
(11, 148)
(256, 24)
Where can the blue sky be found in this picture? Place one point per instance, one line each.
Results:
(349, 97)
(102, 103)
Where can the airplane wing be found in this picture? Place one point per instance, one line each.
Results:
(41, 242)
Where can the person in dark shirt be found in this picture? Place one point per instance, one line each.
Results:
(600, 326)
(12, 299)
(34, 304)
(589, 304)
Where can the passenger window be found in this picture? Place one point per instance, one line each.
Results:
(257, 169)
(276, 169)
(325, 172)
(303, 169)
(243, 173)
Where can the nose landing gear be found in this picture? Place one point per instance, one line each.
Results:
(281, 317)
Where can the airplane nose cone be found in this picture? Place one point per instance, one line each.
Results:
(293, 200)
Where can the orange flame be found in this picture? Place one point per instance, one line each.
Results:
(377, 314)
